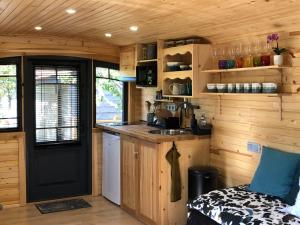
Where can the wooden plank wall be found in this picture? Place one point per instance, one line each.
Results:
(239, 119)
(12, 169)
(16, 45)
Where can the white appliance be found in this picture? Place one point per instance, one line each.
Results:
(111, 175)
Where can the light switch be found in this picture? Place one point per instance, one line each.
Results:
(253, 147)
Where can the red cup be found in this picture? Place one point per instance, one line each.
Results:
(265, 60)
(239, 62)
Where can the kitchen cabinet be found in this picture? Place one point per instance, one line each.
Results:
(148, 182)
(128, 61)
(139, 179)
(146, 178)
(129, 173)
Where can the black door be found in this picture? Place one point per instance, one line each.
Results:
(58, 124)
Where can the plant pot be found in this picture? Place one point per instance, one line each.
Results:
(278, 60)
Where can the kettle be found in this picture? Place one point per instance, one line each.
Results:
(177, 89)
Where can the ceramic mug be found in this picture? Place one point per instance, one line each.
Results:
(256, 87)
(239, 88)
(177, 89)
(231, 88)
(247, 87)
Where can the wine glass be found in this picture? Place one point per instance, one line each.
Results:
(216, 54)
(257, 51)
(231, 57)
(238, 55)
(248, 61)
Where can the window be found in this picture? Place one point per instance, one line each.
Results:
(110, 94)
(10, 105)
(57, 104)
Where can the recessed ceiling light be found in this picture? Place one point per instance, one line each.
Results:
(38, 28)
(134, 28)
(108, 35)
(71, 11)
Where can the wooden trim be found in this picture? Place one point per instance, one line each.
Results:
(22, 170)
(11, 135)
(22, 45)
(131, 102)
(96, 161)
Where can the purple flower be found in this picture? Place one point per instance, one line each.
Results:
(272, 37)
(269, 38)
(275, 37)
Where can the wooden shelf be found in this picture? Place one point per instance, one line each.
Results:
(178, 96)
(163, 100)
(147, 60)
(182, 50)
(237, 94)
(244, 69)
(184, 74)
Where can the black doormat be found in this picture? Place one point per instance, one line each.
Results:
(64, 205)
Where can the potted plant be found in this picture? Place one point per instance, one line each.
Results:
(278, 58)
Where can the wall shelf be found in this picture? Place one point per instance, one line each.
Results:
(245, 94)
(196, 55)
(147, 60)
(244, 69)
(178, 96)
(184, 74)
(183, 49)
(164, 100)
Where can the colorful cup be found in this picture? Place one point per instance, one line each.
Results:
(223, 64)
(265, 60)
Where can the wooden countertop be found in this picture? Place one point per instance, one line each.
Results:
(141, 132)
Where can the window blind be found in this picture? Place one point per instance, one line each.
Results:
(57, 104)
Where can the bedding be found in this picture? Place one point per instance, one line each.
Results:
(237, 206)
(197, 218)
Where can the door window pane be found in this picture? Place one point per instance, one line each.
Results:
(8, 97)
(57, 104)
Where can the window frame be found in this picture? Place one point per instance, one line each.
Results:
(15, 61)
(125, 88)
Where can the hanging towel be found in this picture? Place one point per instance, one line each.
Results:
(173, 159)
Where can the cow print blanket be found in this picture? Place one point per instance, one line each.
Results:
(237, 206)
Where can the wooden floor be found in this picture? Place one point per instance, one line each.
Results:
(102, 212)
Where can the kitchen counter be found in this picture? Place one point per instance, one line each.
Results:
(141, 132)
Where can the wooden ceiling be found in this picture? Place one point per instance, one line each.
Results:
(157, 19)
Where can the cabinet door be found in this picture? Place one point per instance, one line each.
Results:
(127, 61)
(129, 175)
(148, 182)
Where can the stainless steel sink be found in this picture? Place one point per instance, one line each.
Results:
(170, 132)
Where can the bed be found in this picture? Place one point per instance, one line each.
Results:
(237, 206)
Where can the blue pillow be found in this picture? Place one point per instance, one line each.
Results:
(292, 195)
(275, 173)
